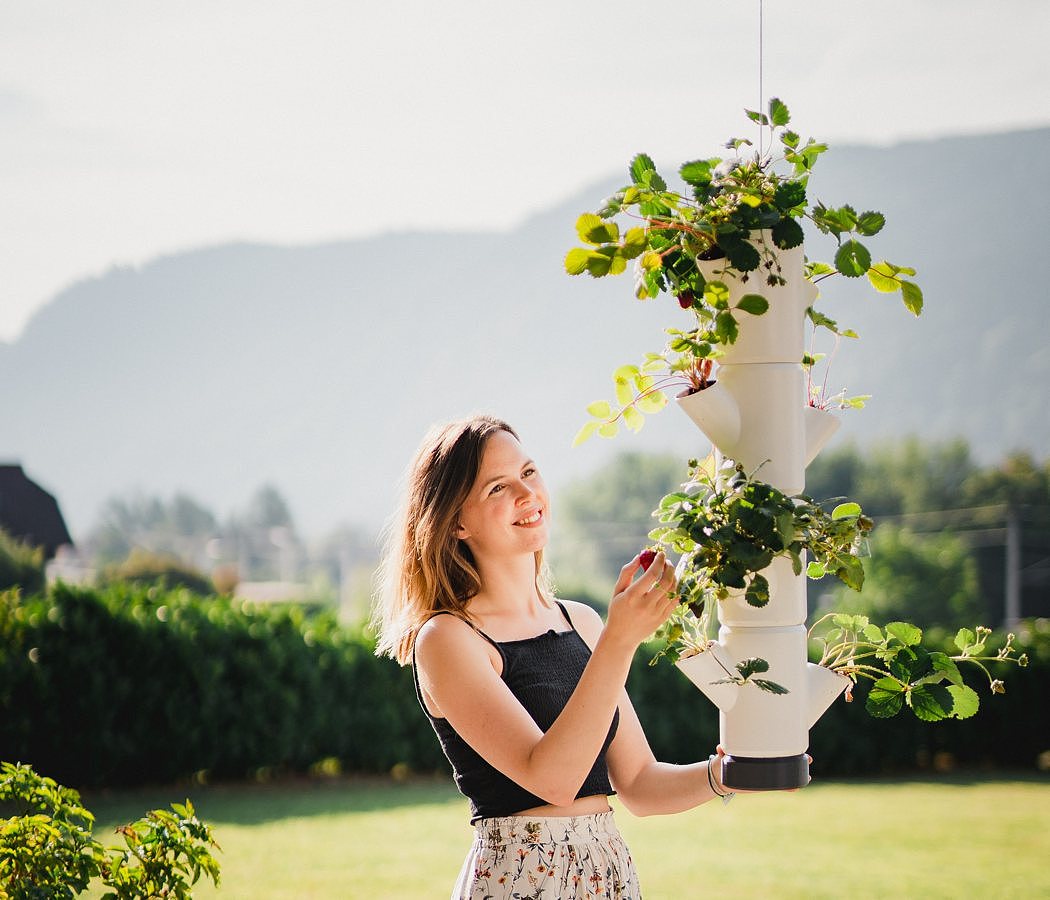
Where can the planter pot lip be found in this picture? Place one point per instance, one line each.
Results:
(687, 392)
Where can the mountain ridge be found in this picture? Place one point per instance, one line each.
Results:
(318, 367)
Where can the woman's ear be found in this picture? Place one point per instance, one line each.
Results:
(461, 532)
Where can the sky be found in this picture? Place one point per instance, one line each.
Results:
(133, 128)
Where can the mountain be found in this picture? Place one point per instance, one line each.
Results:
(318, 368)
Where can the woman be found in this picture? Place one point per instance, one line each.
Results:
(526, 693)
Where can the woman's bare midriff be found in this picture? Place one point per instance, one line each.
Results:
(582, 806)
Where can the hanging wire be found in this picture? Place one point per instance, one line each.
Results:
(761, 10)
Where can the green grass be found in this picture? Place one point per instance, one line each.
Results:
(942, 837)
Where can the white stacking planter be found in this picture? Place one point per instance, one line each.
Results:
(756, 413)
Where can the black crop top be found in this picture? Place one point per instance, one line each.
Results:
(542, 672)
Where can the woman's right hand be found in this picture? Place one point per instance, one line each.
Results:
(639, 607)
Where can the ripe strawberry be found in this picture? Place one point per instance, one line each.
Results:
(685, 299)
(645, 559)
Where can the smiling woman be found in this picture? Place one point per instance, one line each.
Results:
(525, 692)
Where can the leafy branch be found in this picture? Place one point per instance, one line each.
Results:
(905, 673)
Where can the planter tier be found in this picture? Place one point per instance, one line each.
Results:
(756, 413)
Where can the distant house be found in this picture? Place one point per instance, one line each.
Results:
(30, 513)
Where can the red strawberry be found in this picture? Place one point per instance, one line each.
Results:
(646, 557)
(685, 299)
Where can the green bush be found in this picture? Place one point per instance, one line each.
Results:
(47, 850)
(128, 685)
(143, 567)
(21, 565)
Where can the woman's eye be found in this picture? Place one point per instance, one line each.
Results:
(529, 471)
(496, 489)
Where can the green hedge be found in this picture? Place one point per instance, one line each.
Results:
(129, 685)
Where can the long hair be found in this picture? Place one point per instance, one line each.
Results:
(426, 568)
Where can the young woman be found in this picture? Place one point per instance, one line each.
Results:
(526, 693)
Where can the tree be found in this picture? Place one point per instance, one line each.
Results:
(604, 520)
(926, 579)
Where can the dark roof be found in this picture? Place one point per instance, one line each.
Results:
(30, 513)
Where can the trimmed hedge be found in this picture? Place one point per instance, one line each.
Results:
(127, 685)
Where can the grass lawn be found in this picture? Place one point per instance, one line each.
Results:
(940, 837)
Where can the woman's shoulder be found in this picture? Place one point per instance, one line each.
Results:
(585, 619)
(445, 634)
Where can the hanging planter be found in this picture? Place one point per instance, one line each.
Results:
(730, 253)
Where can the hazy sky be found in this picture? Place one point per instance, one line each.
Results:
(134, 128)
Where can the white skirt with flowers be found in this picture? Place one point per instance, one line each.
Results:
(548, 858)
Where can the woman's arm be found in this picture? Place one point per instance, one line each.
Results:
(459, 680)
(646, 786)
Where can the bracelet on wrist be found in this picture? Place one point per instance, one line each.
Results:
(725, 795)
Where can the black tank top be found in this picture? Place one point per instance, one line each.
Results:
(542, 672)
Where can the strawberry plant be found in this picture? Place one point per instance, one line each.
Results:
(728, 222)
(729, 526)
(905, 673)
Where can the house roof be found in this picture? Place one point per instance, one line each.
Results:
(30, 513)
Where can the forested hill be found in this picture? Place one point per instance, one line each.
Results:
(318, 368)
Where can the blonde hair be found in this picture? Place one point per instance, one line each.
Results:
(426, 568)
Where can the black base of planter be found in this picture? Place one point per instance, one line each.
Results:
(778, 773)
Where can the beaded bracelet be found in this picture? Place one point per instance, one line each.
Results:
(726, 797)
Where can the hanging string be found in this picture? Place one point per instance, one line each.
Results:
(761, 4)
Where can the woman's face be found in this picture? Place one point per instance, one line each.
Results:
(505, 513)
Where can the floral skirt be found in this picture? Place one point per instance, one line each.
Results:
(553, 858)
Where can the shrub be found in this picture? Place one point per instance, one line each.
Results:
(21, 564)
(47, 849)
(147, 568)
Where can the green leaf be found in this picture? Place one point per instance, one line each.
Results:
(696, 173)
(726, 327)
(965, 701)
(576, 260)
(885, 699)
(585, 433)
(633, 419)
(640, 165)
(634, 242)
(964, 638)
(944, 667)
(593, 229)
(608, 429)
(624, 391)
(778, 112)
(753, 303)
(912, 296)
(716, 294)
(883, 277)
(815, 570)
(853, 259)
(757, 593)
(845, 510)
(598, 264)
(789, 194)
(651, 260)
(870, 223)
(755, 116)
(787, 233)
(741, 255)
(770, 687)
(652, 402)
(931, 702)
(751, 666)
(600, 409)
(905, 632)
(873, 633)
(790, 139)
